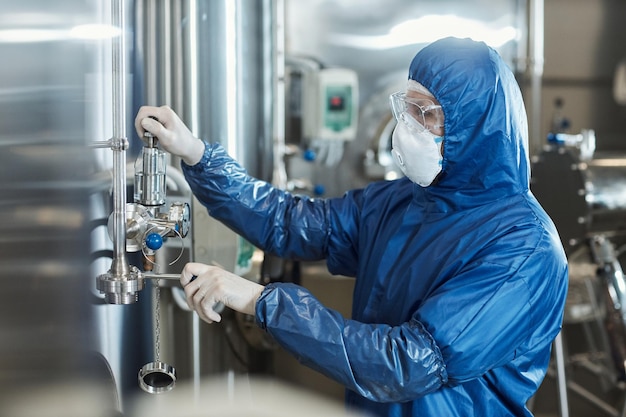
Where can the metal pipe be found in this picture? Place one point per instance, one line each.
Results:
(193, 76)
(232, 60)
(101, 144)
(119, 266)
(165, 52)
(150, 53)
(193, 117)
(177, 63)
(121, 283)
(195, 354)
(561, 377)
(536, 44)
(152, 275)
(277, 27)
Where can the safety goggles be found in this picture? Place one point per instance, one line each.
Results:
(425, 112)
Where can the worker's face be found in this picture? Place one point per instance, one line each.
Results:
(417, 139)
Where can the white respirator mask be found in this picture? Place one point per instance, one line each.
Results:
(416, 152)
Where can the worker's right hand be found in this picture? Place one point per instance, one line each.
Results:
(173, 134)
(206, 286)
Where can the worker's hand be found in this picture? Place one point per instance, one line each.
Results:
(214, 285)
(173, 134)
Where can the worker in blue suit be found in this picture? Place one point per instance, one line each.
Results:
(461, 278)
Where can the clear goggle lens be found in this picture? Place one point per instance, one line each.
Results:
(427, 114)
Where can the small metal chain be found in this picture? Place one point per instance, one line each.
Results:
(157, 329)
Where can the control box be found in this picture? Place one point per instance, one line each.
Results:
(330, 104)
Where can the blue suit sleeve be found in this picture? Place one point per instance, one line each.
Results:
(381, 362)
(284, 224)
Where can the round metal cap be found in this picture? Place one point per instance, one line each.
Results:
(157, 377)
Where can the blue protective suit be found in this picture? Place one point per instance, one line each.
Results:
(460, 286)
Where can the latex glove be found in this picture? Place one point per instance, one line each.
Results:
(174, 136)
(214, 285)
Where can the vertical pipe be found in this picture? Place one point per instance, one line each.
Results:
(561, 377)
(232, 52)
(194, 84)
(150, 53)
(536, 44)
(119, 266)
(178, 91)
(195, 352)
(165, 52)
(277, 27)
(194, 126)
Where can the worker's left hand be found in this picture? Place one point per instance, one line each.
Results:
(214, 285)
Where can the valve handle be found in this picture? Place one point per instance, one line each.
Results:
(309, 155)
(154, 241)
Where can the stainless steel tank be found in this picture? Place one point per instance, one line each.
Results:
(47, 358)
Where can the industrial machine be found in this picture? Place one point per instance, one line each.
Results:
(584, 192)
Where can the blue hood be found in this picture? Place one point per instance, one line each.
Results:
(480, 98)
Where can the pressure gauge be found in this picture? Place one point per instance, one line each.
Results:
(180, 214)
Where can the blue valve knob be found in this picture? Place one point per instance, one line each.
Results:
(309, 155)
(154, 241)
(319, 189)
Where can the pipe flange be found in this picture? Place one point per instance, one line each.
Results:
(120, 289)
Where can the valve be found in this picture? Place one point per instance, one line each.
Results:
(146, 226)
(154, 241)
